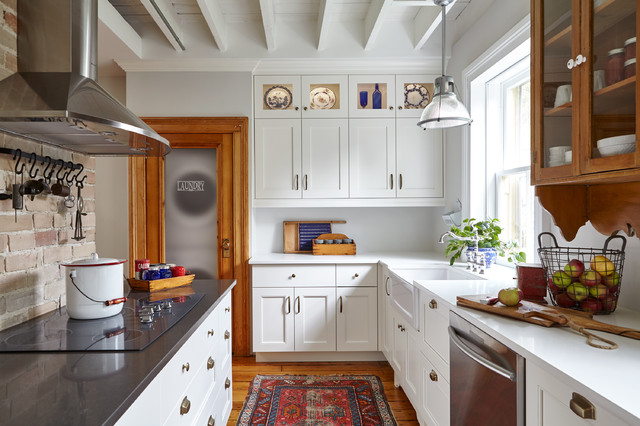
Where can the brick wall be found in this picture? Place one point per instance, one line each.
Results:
(33, 244)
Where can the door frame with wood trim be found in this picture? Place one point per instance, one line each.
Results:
(230, 137)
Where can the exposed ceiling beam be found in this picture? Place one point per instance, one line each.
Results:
(268, 22)
(212, 13)
(166, 19)
(426, 21)
(373, 21)
(326, 9)
(109, 16)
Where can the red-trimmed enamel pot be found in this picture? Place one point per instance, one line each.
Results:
(95, 287)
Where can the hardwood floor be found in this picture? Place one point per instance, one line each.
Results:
(245, 368)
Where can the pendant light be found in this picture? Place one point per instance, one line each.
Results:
(445, 110)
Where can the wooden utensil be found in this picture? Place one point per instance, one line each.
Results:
(546, 316)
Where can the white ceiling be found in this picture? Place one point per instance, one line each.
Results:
(184, 34)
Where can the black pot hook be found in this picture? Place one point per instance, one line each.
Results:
(18, 155)
(47, 177)
(62, 166)
(33, 161)
(75, 177)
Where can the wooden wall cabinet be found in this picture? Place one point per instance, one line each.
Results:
(573, 46)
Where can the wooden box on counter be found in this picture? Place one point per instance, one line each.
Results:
(161, 284)
(333, 249)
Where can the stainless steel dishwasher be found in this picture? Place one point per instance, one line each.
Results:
(487, 378)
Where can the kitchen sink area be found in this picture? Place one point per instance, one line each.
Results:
(406, 296)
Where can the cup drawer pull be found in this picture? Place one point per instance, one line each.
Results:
(210, 363)
(185, 406)
(582, 406)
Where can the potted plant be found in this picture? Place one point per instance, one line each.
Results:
(488, 234)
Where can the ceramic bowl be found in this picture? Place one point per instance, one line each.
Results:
(608, 151)
(616, 140)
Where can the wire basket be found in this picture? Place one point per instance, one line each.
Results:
(584, 279)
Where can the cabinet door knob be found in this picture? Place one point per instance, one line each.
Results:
(288, 305)
(399, 326)
(227, 383)
(582, 406)
(210, 332)
(340, 299)
(297, 108)
(304, 108)
(356, 275)
(433, 376)
(210, 363)
(297, 183)
(306, 182)
(227, 335)
(211, 421)
(386, 286)
(390, 107)
(293, 275)
(402, 329)
(391, 176)
(400, 181)
(227, 309)
(185, 367)
(399, 107)
(433, 304)
(185, 406)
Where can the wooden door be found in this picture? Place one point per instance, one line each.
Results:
(229, 136)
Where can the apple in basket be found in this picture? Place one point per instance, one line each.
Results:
(599, 291)
(564, 301)
(590, 278)
(591, 305)
(577, 292)
(574, 268)
(510, 296)
(609, 303)
(602, 265)
(561, 279)
(612, 280)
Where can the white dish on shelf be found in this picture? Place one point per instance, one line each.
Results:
(567, 157)
(617, 140)
(322, 98)
(559, 150)
(608, 151)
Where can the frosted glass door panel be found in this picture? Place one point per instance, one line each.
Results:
(372, 158)
(191, 211)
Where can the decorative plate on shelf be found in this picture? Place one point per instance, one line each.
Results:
(322, 98)
(278, 97)
(416, 96)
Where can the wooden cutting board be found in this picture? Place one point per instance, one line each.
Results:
(545, 315)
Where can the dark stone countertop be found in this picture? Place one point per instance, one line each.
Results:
(92, 388)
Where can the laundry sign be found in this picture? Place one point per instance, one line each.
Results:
(190, 186)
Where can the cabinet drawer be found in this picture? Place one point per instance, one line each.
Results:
(434, 402)
(294, 275)
(356, 275)
(194, 396)
(435, 323)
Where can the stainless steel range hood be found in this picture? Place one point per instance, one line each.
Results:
(54, 98)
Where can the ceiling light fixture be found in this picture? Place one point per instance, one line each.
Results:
(445, 110)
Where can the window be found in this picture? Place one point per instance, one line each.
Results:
(501, 99)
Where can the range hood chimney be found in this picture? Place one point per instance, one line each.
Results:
(54, 97)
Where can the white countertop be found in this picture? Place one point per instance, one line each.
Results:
(612, 374)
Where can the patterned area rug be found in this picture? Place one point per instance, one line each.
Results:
(316, 401)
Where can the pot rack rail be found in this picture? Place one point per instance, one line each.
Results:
(53, 165)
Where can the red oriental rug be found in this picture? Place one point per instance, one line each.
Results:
(316, 401)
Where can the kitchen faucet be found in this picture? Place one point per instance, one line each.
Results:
(474, 257)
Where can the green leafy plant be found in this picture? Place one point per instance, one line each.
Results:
(488, 232)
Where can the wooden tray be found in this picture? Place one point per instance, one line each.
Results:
(298, 235)
(333, 249)
(156, 285)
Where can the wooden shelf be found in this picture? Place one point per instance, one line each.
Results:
(613, 99)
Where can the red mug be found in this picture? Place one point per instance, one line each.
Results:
(177, 271)
(532, 282)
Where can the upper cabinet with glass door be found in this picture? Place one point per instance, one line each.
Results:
(583, 94)
(372, 96)
(325, 96)
(277, 96)
(413, 94)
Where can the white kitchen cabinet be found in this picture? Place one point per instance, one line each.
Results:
(190, 382)
(325, 153)
(325, 96)
(278, 161)
(273, 327)
(349, 275)
(434, 324)
(372, 158)
(277, 96)
(372, 96)
(413, 372)
(419, 161)
(434, 401)
(315, 319)
(413, 94)
(301, 159)
(385, 323)
(550, 400)
(399, 347)
(356, 319)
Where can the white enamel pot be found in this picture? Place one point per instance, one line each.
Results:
(95, 287)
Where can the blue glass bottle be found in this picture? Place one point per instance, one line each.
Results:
(376, 98)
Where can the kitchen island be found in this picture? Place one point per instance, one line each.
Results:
(97, 388)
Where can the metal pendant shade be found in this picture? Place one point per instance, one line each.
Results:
(445, 110)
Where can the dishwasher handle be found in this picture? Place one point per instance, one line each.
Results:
(504, 372)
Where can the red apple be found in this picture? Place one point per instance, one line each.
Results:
(590, 278)
(561, 279)
(577, 292)
(553, 289)
(602, 265)
(599, 291)
(510, 296)
(591, 305)
(609, 303)
(574, 268)
(612, 280)
(564, 301)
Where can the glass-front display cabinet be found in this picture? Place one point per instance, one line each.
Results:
(371, 96)
(584, 90)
